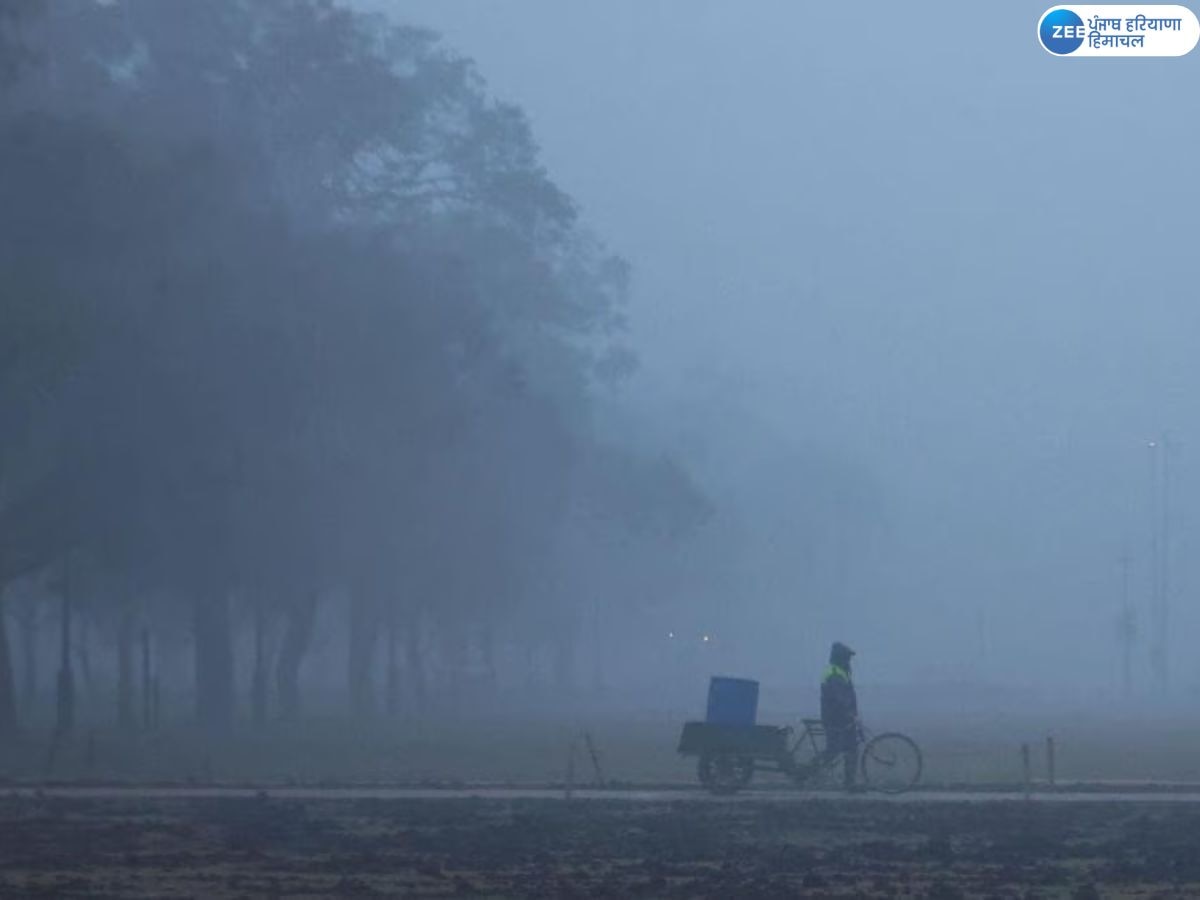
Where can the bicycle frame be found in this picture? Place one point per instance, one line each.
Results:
(814, 729)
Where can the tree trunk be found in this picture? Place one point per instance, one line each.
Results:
(487, 649)
(361, 653)
(65, 722)
(296, 639)
(29, 658)
(149, 686)
(8, 694)
(454, 647)
(84, 652)
(214, 661)
(258, 687)
(415, 657)
(393, 665)
(126, 717)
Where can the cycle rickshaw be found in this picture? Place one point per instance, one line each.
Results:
(729, 755)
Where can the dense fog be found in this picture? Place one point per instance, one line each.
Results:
(391, 357)
(912, 300)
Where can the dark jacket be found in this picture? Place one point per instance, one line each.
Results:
(839, 703)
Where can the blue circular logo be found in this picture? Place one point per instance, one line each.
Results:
(1061, 32)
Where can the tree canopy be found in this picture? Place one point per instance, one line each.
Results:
(290, 306)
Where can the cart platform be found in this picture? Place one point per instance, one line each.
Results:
(702, 738)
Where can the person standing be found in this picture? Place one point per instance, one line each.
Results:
(839, 712)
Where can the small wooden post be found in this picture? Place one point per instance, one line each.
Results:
(1027, 775)
(1050, 760)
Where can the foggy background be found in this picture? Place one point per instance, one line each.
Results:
(910, 295)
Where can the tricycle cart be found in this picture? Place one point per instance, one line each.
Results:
(729, 755)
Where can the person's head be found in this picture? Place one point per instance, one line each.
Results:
(839, 655)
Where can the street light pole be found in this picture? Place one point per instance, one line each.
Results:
(1164, 613)
(1160, 541)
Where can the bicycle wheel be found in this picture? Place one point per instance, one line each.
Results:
(891, 763)
(723, 773)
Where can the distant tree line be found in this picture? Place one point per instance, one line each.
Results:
(295, 328)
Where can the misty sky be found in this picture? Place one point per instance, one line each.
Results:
(908, 245)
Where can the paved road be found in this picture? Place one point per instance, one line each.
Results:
(1118, 794)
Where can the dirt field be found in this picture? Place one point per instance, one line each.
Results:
(823, 848)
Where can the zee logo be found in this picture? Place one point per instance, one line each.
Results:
(1062, 32)
(1066, 31)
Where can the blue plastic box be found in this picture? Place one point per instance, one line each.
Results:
(732, 701)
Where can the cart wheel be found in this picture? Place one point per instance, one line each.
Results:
(723, 773)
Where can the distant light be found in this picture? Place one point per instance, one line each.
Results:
(706, 638)
(1152, 444)
(670, 634)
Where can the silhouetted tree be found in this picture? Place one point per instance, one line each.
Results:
(327, 336)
